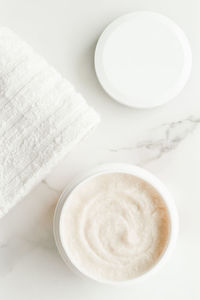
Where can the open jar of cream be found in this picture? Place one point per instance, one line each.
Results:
(116, 224)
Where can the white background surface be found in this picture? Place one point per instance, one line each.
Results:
(164, 140)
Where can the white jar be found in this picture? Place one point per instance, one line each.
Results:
(140, 173)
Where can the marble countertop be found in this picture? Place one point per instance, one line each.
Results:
(164, 140)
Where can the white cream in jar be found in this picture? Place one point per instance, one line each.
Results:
(115, 226)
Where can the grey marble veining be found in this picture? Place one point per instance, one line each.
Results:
(160, 140)
(45, 182)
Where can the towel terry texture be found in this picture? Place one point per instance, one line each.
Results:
(41, 118)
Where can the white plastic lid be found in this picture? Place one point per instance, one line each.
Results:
(143, 59)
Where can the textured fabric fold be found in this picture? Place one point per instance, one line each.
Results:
(42, 118)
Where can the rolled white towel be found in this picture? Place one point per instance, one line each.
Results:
(41, 118)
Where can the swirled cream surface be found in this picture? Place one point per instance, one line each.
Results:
(115, 227)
